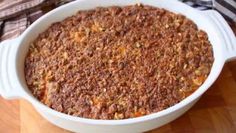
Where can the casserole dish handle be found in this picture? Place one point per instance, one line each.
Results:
(8, 82)
(229, 39)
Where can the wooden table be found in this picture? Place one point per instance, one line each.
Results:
(214, 113)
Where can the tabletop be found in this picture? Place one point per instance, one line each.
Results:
(215, 112)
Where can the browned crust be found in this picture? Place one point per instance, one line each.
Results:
(117, 63)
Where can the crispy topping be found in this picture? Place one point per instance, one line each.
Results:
(118, 62)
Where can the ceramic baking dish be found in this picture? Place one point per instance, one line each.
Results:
(13, 52)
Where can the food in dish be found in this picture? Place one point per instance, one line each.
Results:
(118, 62)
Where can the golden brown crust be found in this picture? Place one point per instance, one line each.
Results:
(117, 63)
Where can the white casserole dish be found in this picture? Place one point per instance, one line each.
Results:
(13, 52)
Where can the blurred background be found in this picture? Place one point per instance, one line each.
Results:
(214, 113)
